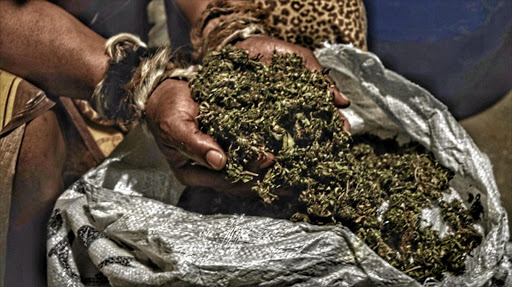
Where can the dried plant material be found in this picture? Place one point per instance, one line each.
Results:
(250, 109)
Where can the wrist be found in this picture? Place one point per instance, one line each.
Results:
(132, 75)
(225, 22)
(111, 98)
(99, 67)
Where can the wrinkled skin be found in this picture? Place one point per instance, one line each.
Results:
(195, 157)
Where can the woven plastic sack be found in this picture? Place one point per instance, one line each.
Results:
(119, 224)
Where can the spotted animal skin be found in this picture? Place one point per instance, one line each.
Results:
(311, 22)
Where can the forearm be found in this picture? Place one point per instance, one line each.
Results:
(47, 46)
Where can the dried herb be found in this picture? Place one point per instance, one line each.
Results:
(285, 109)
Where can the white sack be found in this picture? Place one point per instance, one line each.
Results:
(118, 225)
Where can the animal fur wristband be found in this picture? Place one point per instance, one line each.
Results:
(133, 74)
(109, 98)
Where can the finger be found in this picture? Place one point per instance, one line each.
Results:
(258, 46)
(346, 123)
(181, 130)
(346, 126)
(191, 175)
(194, 175)
(340, 100)
(285, 192)
(264, 160)
(175, 158)
(312, 63)
(189, 140)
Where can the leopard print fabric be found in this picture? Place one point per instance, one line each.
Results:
(311, 22)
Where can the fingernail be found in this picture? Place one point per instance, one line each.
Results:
(214, 159)
(262, 158)
(345, 97)
(342, 95)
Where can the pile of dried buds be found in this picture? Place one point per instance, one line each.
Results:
(285, 109)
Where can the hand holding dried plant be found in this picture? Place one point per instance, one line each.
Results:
(265, 47)
(284, 108)
(194, 156)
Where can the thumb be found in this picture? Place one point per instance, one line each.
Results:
(196, 145)
(176, 126)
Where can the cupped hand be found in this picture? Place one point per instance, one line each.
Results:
(195, 157)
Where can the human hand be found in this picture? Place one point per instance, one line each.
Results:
(195, 157)
(265, 47)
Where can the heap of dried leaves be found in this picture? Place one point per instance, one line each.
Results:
(285, 109)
